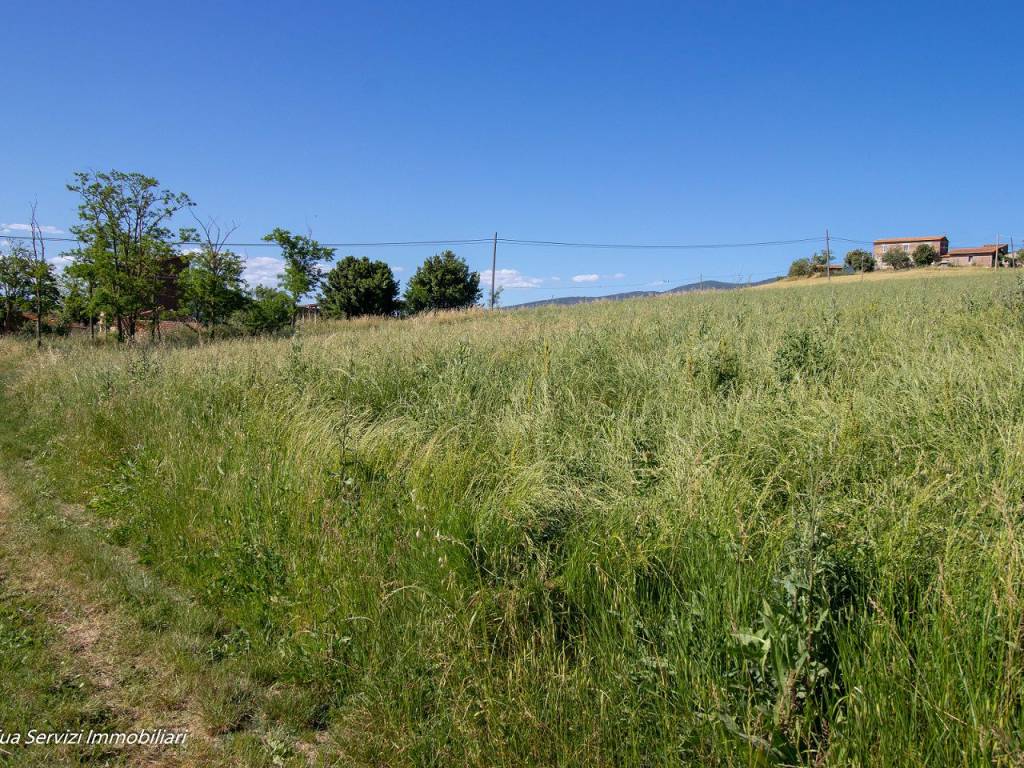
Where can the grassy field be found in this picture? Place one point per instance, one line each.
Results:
(767, 527)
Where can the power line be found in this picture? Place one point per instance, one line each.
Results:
(263, 244)
(659, 246)
(488, 240)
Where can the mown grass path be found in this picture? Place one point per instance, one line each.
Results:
(99, 645)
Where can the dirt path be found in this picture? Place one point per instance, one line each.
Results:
(101, 642)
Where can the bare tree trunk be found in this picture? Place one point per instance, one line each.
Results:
(39, 257)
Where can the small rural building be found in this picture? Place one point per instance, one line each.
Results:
(833, 269)
(907, 244)
(979, 256)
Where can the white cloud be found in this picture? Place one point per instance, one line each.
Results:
(585, 278)
(398, 269)
(509, 278)
(618, 275)
(262, 270)
(46, 229)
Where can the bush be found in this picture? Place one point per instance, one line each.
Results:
(896, 258)
(860, 260)
(269, 312)
(800, 268)
(924, 255)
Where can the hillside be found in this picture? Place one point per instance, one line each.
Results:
(706, 285)
(724, 528)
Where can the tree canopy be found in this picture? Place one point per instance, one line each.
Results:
(924, 255)
(860, 260)
(124, 226)
(359, 286)
(302, 256)
(897, 258)
(800, 268)
(443, 281)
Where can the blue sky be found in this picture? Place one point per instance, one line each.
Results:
(666, 122)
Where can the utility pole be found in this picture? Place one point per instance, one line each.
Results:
(828, 255)
(494, 264)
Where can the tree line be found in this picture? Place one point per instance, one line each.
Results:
(859, 260)
(129, 270)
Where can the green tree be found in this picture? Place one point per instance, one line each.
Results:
(302, 257)
(124, 224)
(860, 260)
(924, 255)
(897, 258)
(82, 273)
(442, 282)
(270, 311)
(74, 304)
(800, 268)
(212, 283)
(15, 284)
(358, 286)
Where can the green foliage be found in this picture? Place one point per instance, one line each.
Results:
(15, 285)
(270, 311)
(923, 255)
(356, 287)
(801, 268)
(860, 260)
(124, 224)
(897, 258)
(212, 285)
(442, 282)
(803, 354)
(716, 367)
(302, 258)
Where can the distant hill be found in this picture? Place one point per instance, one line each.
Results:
(707, 285)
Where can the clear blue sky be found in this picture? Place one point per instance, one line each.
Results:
(644, 122)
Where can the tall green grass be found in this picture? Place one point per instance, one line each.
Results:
(766, 527)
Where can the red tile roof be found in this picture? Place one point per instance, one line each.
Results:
(885, 240)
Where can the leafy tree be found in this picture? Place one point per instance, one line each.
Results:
(124, 218)
(924, 255)
(800, 268)
(15, 284)
(820, 259)
(442, 282)
(270, 311)
(897, 258)
(212, 283)
(860, 260)
(359, 287)
(82, 274)
(75, 304)
(302, 257)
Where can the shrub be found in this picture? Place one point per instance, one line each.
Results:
(924, 255)
(860, 260)
(269, 312)
(800, 268)
(802, 353)
(897, 258)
